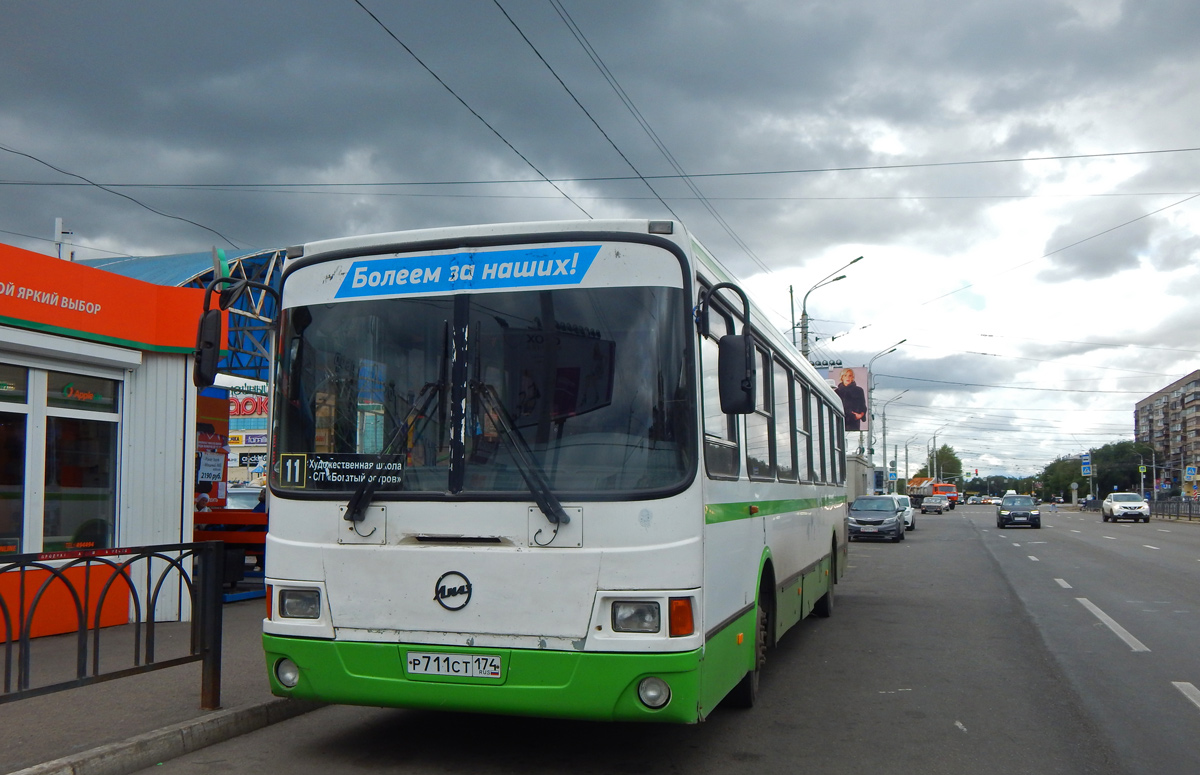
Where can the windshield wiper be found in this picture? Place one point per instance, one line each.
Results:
(530, 471)
(356, 509)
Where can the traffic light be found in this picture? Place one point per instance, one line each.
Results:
(977, 472)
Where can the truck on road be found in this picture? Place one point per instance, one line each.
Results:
(920, 488)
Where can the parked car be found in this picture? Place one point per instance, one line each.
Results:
(938, 503)
(910, 521)
(877, 516)
(1124, 505)
(1018, 510)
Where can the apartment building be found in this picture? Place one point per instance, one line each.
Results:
(1169, 422)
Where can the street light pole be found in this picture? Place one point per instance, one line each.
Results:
(804, 307)
(888, 483)
(871, 404)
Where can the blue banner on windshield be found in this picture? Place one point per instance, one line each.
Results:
(468, 271)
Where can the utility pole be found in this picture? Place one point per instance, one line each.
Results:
(59, 237)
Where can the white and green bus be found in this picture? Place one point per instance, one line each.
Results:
(551, 469)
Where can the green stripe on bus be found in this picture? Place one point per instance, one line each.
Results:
(715, 513)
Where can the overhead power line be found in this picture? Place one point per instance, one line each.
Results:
(627, 101)
(586, 112)
(463, 102)
(678, 175)
(1015, 387)
(110, 190)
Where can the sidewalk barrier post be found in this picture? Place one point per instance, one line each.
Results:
(213, 572)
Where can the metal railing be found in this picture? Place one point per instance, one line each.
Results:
(152, 587)
(1188, 510)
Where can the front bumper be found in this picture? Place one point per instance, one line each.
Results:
(556, 684)
(876, 531)
(1020, 518)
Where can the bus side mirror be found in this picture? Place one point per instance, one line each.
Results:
(735, 373)
(208, 349)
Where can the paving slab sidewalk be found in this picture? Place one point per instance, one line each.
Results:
(126, 724)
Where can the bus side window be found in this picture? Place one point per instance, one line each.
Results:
(785, 461)
(760, 463)
(721, 454)
(839, 443)
(831, 424)
(803, 449)
(820, 440)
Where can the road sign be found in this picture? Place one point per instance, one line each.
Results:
(1086, 459)
(1141, 469)
(891, 476)
(1087, 470)
(1189, 470)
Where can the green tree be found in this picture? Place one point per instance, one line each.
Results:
(1114, 467)
(948, 466)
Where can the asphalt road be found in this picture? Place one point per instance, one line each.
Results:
(1118, 605)
(955, 651)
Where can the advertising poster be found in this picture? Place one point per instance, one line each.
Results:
(850, 385)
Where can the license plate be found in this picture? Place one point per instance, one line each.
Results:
(1020, 519)
(870, 529)
(456, 665)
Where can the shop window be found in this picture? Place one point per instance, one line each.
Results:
(73, 391)
(14, 384)
(12, 482)
(81, 484)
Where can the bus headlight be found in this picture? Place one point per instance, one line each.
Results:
(654, 692)
(287, 673)
(300, 603)
(636, 616)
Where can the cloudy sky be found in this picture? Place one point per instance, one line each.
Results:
(1018, 174)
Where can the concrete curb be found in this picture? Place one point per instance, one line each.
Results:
(147, 750)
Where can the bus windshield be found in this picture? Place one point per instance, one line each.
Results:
(594, 382)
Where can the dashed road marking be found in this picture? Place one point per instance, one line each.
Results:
(1148, 546)
(1189, 691)
(1062, 583)
(1111, 538)
(1118, 630)
(1034, 558)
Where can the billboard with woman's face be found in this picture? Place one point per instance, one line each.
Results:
(850, 385)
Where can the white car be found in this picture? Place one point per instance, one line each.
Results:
(1124, 505)
(910, 521)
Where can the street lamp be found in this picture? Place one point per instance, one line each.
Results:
(871, 398)
(804, 307)
(886, 468)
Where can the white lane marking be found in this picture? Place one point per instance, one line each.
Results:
(1016, 544)
(1148, 546)
(1189, 691)
(1031, 543)
(1063, 584)
(1076, 531)
(1111, 623)
(1111, 538)
(959, 724)
(1166, 531)
(1033, 558)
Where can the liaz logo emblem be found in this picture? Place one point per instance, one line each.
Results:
(452, 591)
